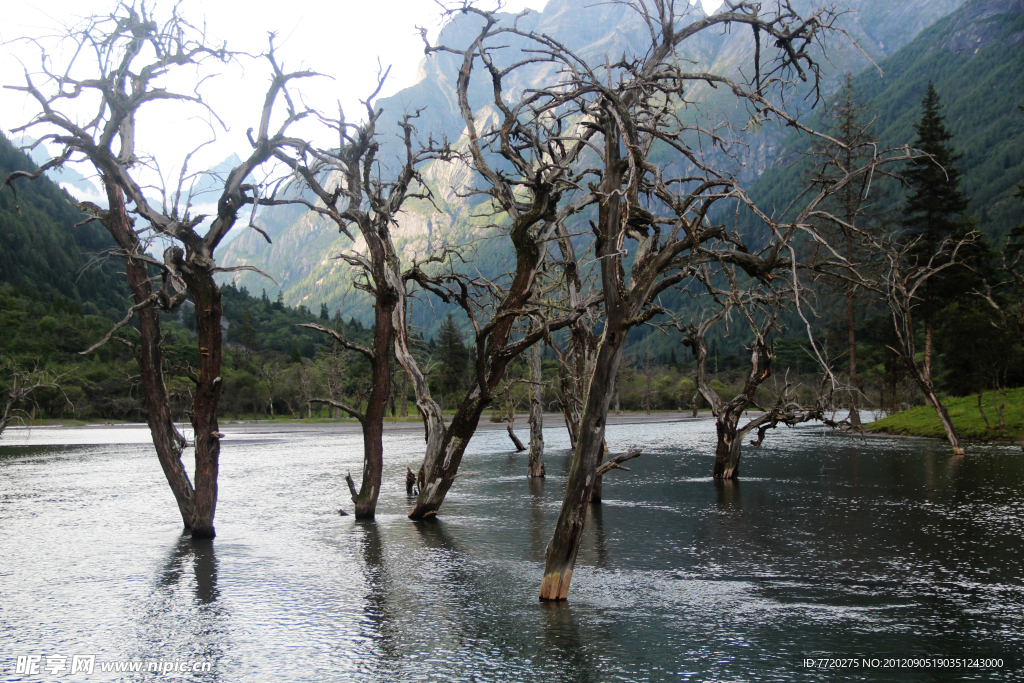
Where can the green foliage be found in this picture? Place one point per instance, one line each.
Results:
(259, 325)
(923, 420)
(981, 90)
(976, 351)
(453, 357)
(935, 205)
(42, 250)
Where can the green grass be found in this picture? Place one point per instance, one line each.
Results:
(924, 421)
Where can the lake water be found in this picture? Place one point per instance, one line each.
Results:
(827, 547)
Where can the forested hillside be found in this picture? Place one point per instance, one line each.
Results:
(43, 250)
(975, 58)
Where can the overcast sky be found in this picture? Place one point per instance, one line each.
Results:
(342, 39)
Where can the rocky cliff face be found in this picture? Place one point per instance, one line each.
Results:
(978, 26)
(301, 256)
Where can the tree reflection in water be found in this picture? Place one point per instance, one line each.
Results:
(172, 621)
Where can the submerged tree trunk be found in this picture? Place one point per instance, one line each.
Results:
(560, 556)
(440, 466)
(561, 551)
(207, 300)
(729, 446)
(515, 439)
(169, 443)
(727, 415)
(372, 422)
(535, 465)
(940, 409)
(379, 355)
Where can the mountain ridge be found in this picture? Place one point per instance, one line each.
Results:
(300, 257)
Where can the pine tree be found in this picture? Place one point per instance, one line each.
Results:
(934, 211)
(935, 208)
(324, 313)
(453, 356)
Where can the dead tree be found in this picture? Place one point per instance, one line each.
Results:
(524, 169)
(659, 215)
(851, 205)
(901, 286)
(758, 306)
(535, 464)
(18, 386)
(128, 55)
(362, 201)
(510, 420)
(576, 360)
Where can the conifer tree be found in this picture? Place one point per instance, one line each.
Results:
(453, 356)
(934, 211)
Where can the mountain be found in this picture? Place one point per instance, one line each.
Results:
(61, 176)
(300, 256)
(975, 58)
(44, 250)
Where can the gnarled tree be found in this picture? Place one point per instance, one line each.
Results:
(524, 169)
(353, 193)
(653, 227)
(17, 385)
(123, 63)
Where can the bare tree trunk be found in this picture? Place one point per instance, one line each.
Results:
(982, 410)
(5, 418)
(207, 300)
(947, 423)
(903, 325)
(560, 556)
(168, 442)
(535, 466)
(597, 491)
(927, 357)
(376, 405)
(515, 439)
(851, 334)
(405, 395)
(728, 449)
(440, 466)
(434, 427)
(567, 398)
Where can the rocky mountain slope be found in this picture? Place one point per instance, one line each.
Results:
(301, 256)
(975, 58)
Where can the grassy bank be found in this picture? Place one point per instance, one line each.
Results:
(923, 421)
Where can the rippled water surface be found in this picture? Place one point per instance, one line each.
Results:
(828, 546)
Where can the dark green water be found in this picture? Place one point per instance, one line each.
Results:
(828, 547)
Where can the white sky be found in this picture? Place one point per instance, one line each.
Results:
(342, 39)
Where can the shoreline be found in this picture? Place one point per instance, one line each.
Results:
(412, 424)
(347, 426)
